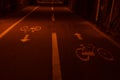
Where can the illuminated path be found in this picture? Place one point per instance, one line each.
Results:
(51, 43)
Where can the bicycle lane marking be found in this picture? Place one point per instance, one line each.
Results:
(56, 68)
(88, 50)
(85, 51)
(26, 30)
(13, 25)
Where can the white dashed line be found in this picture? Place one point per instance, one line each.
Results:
(52, 8)
(53, 16)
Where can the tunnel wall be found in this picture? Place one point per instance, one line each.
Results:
(109, 17)
(106, 16)
(86, 9)
(7, 6)
(70, 4)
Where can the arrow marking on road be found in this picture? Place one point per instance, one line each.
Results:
(25, 39)
(78, 35)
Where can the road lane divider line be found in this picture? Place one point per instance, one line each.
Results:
(52, 8)
(13, 25)
(56, 68)
(53, 17)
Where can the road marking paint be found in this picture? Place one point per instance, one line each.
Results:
(13, 25)
(56, 74)
(25, 39)
(52, 8)
(53, 17)
(78, 35)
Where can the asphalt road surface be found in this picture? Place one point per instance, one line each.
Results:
(52, 43)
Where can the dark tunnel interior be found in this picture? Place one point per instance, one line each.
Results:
(59, 39)
(104, 13)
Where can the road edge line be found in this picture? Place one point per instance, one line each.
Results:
(104, 35)
(17, 22)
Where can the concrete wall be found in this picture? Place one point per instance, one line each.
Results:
(109, 16)
(86, 8)
(7, 6)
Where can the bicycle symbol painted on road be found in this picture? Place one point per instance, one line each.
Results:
(27, 29)
(85, 51)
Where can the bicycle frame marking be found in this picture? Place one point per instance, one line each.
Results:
(85, 52)
(32, 29)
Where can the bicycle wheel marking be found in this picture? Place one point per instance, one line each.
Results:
(35, 28)
(24, 29)
(85, 56)
(85, 51)
(27, 29)
(105, 54)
